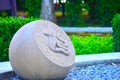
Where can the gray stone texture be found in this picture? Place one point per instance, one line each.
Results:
(41, 50)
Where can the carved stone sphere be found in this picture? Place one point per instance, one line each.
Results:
(41, 50)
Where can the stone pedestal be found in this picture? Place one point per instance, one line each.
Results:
(41, 50)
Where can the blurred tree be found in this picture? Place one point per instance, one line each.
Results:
(20, 5)
(106, 9)
(47, 10)
(103, 10)
(92, 6)
(63, 7)
(33, 7)
(73, 13)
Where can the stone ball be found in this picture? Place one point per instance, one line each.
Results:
(41, 50)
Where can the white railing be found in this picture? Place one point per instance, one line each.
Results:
(88, 29)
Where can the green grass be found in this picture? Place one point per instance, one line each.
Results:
(92, 44)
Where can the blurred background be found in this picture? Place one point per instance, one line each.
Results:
(78, 13)
(92, 25)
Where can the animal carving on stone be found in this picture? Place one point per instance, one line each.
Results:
(55, 42)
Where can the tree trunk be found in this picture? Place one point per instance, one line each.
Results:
(47, 10)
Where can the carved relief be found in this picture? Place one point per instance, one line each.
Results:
(55, 42)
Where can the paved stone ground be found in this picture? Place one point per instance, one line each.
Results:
(104, 71)
(79, 61)
(86, 64)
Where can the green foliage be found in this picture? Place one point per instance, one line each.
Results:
(73, 13)
(20, 5)
(31, 6)
(106, 9)
(103, 10)
(92, 44)
(116, 32)
(8, 27)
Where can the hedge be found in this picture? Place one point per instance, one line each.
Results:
(83, 44)
(92, 44)
(8, 27)
(116, 32)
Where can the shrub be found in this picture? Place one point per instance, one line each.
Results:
(116, 32)
(92, 44)
(8, 27)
